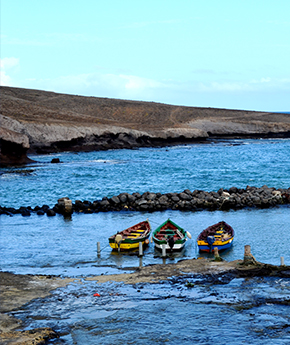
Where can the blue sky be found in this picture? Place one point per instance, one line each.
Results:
(232, 54)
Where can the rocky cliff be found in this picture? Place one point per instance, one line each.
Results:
(40, 121)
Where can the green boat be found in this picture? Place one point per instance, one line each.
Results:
(172, 235)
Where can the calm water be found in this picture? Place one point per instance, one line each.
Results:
(90, 176)
(68, 247)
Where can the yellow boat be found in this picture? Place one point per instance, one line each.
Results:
(130, 238)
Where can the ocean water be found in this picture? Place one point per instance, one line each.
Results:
(93, 175)
(68, 247)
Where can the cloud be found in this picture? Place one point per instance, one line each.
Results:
(262, 84)
(100, 85)
(7, 65)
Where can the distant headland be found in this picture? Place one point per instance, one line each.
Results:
(35, 121)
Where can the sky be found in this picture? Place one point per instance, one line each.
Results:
(232, 54)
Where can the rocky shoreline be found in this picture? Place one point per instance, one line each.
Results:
(224, 199)
(17, 290)
(35, 121)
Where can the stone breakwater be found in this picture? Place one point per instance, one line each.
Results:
(224, 199)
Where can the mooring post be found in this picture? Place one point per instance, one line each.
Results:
(282, 261)
(140, 261)
(140, 249)
(216, 252)
(99, 248)
(248, 256)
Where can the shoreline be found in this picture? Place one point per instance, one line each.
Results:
(43, 122)
(18, 290)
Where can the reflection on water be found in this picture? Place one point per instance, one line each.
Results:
(68, 247)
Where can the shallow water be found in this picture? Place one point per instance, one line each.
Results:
(166, 313)
(219, 310)
(55, 245)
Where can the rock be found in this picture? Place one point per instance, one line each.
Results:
(55, 160)
(233, 190)
(184, 196)
(36, 336)
(175, 198)
(131, 198)
(115, 200)
(163, 200)
(50, 213)
(13, 146)
(141, 202)
(40, 213)
(64, 206)
(123, 197)
(25, 213)
(225, 195)
(104, 203)
(151, 196)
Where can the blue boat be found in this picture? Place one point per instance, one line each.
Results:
(220, 235)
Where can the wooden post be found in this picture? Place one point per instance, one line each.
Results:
(249, 258)
(140, 249)
(216, 254)
(99, 248)
(282, 261)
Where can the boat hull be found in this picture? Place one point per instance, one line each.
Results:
(130, 238)
(177, 246)
(204, 247)
(169, 229)
(220, 236)
(126, 245)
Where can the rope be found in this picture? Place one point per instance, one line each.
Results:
(104, 247)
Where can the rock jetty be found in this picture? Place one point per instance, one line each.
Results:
(224, 199)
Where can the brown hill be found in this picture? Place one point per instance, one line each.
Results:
(53, 121)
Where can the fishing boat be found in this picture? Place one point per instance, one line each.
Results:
(170, 234)
(130, 238)
(220, 235)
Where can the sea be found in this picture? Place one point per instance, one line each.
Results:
(238, 311)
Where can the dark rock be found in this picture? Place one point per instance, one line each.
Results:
(115, 200)
(151, 196)
(184, 196)
(163, 200)
(25, 213)
(141, 202)
(131, 198)
(50, 213)
(187, 191)
(123, 197)
(12, 210)
(55, 160)
(137, 195)
(233, 190)
(13, 145)
(45, 207)
(40, 213)
(175, 198)
(143, 207)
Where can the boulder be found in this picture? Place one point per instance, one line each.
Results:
(13, 147)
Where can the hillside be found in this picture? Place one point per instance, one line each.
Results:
(53, 122)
